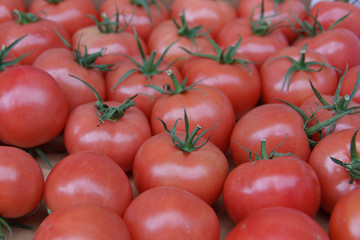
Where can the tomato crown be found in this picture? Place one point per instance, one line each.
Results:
(24, 18)
(145, 4)
(107, 25)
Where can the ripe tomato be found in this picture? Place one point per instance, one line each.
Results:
(6, 7)
(279, 223)
(212, 15)
(86, 182)
(33, 108)
(21, 183)
(143, 15)
(334, 179)
(285, 181)
(82, 221)
(170, 213)
(71, 14)
(279, 124)
(345, 217)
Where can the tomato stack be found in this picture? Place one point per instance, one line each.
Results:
(132, 119)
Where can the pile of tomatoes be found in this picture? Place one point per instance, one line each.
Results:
(158, 113)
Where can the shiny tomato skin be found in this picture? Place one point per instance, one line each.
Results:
(349, 81)
(71, 14)
(83, 221)
(201, 172)
(212, 15)
(240, 85)
(279, 124)
(283, 181)
(21, 183)
(136, 15)
(334, 179)
(170, 213)
(6, 7)
(274, 69)
(118, 140)
(344, 219)
(33, 107)
(91, 178)
(205, 106)
(279, 223)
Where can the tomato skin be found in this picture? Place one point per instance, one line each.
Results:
(27, 95)
(85, 172)
(60, 70)
(6, 7)
(201, 172)
(345, 217)
(241, 86)
(297, 226)
(349, 83)
(82, 221)
(333, 178)
(136, 15)
(279, 124)
(118, 140)
(20, 171)
(212, 15)
(205, 106)
(256, 48)
(283, 181)
(170, 213)
(274, 69)
(71, 14)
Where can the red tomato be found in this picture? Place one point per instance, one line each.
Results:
(212, 15)
(85, 182)
(281, 80)
(285, 181)
(144, 17)
(350, 77)
(71, 14)
(205, 106)
(334, 179)
(83, 221)
(170, 213)
(33, 108)
(201, 172)
(282, 12)
(21, 183)
(345, 217)
(75, 91)
(6, 8)
(278, 223)
(279, 124)
(41, 35)
(118, 140)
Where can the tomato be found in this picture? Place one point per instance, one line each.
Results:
(279, 124)
(86, 182)
(278, 223)
(286, 80)
(40, 35)
(143, 15)
(345, 217)
(76, 92)
(334, 179)
(212, 15)
(83, 221)
(350, 77)
(33, 108)
(71, 14)
(21, 183)
(284, 13)
(286, 181)
(118, 139)
(171, 213)
(6, 7)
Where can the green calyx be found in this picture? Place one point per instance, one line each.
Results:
(224, 56)
(106, 113)
(354, 166)
(145, 4)
(191, 139)
(4, 51)
(24, 18)
(54, 1)
(107, 25)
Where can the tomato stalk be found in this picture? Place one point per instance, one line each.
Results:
(24, 18)
(109, 26)
(354, 166)
(188, 145)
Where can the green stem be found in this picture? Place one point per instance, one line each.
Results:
(24, 18)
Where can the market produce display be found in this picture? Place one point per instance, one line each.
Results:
(179, 119)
